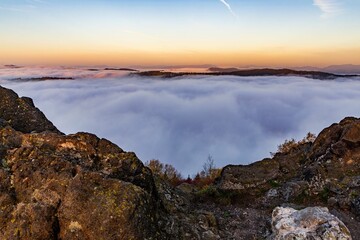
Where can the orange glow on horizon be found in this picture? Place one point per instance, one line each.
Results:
(146, 33)
(305, 57)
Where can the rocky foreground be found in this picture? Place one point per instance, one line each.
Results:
(56, 186)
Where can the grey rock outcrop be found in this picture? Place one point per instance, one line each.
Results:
(310, 223)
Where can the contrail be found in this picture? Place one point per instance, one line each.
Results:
(228, 7)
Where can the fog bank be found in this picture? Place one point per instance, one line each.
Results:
(181, 121)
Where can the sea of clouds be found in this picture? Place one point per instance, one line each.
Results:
(236, 120)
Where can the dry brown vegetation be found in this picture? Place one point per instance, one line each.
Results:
(292, 144)
(168, 173)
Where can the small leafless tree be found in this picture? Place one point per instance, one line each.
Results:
(208, 166)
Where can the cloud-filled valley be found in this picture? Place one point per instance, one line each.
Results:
(182, 120)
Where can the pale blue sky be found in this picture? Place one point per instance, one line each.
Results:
(184, 31)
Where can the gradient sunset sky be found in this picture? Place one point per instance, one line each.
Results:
(172, 32)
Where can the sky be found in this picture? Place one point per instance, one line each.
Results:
(181, 121)
(177, 32)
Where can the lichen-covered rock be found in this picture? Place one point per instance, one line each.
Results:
(310, 223)
(21, 113)
(311, 172)
(182, 220)
(96, 208)
(250, 176)
(263, 175)
(73, 187)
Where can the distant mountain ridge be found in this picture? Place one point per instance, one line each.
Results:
(46, 78)
(337, 69)
(249, 73)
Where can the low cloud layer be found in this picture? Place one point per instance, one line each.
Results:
(181, 121)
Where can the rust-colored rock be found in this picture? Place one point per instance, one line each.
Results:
(72, 187)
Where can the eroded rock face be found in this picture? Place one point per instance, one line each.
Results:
(21, 113)
(310, 223)
(327, 168)
(259, 174)
(73, 187)
(248, 176)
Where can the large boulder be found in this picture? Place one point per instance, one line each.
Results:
(252, 181)
(74, 187)
(310, 223)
